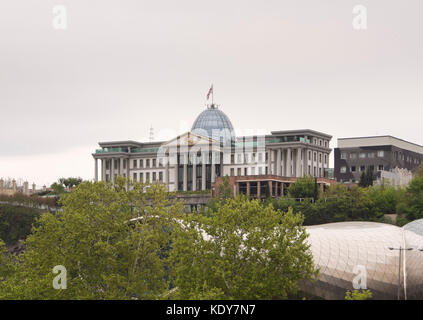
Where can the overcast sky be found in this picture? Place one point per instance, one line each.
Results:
(123, 66)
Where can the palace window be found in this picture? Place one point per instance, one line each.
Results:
(232, 172)
(154, 163)
(135, 177)
(147, 163)
(380, 167)
(343, 169)
(380, 153)
(134, 164)
(362, 155)
(161, 176)
(141, 163)
(343, 155)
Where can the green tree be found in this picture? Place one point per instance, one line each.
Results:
(241, 251)
(107, 255)
(225, 189)
(57, 188)
(16, 222)
(366, 179)
(305, 187)
(414, 199)
(419, 172)
(358, 295)
(70, 182)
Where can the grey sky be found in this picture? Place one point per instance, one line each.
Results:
(124, 65)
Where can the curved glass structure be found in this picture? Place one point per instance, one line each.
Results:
(215, 124)
(349, 253)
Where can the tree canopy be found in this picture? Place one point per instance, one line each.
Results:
(106, 256)
(305, 187)
(242, 251)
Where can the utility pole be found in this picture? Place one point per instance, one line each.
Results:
(400, 249)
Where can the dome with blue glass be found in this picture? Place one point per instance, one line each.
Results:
(213, 123)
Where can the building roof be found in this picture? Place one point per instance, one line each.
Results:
(301, 132)
(342, 250)
(373, 141)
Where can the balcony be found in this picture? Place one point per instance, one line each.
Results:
(111, 150)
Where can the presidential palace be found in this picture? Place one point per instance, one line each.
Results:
(196, 160)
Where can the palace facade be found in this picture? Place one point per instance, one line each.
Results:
(194, 160)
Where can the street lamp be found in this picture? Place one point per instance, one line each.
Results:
(400, 249)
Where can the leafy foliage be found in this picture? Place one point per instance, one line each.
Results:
(241, 251)
(305, 187)
(16, 222)
(358, 295)
(366, 179)
(414, 199)
(106, 255)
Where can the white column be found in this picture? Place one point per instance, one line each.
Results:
(278, 162)
(185, 173)
(274, 170)
(288, 162)
(269, 161)
(194, 174)
(213, 168)
(298, 163)
(203, 170)
(121, 167)
(103, 169)
(166, 173)
(95, 169)
(112, 170)
(176, 179)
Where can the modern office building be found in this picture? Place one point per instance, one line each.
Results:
(194, 160)
(386, 156)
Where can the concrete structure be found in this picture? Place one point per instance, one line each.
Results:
(194, 160)
(367, 255)
(396, 177)
(377, 154)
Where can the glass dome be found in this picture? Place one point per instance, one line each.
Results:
(215, 124)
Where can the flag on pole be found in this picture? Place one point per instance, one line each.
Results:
(210, 92)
